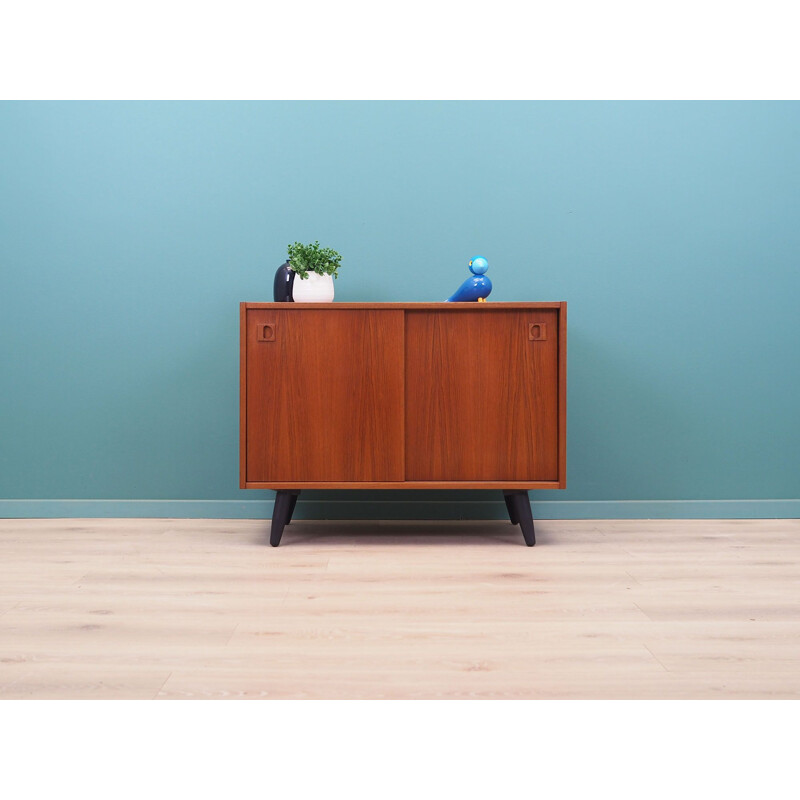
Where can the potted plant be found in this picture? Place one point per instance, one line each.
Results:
(315, 268)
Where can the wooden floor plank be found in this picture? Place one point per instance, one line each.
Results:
(619, 609)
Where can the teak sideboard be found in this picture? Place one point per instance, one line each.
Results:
(403, 396)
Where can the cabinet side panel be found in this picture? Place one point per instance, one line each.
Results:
(482, 395)
(562, 397)
(324, 395)
(242, 395)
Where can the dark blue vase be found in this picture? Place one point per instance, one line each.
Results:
(284, 281)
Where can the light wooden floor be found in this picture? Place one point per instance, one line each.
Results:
(203, 608)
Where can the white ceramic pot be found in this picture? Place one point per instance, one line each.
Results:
(313, 289)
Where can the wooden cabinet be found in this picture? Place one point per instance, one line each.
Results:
(403, 395)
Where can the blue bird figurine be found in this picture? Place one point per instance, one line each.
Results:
(478, 287)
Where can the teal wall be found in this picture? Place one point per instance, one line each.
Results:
(129, 232)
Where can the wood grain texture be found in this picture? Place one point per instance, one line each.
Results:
(562, 396)
(242, 395)
(481, 397)
(475, 368)
(403, 485)
(446, 307)
(324, 400)
(601, 609)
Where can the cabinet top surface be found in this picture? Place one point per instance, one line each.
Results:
(407, 306)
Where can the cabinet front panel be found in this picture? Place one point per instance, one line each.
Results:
(482, 395)
(324, 395)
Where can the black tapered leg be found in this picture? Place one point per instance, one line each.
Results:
(293, 503)
(512, 512)
(522, 507)
(281, 513)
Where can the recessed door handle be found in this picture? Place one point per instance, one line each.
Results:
(265, 332)
(537, 332)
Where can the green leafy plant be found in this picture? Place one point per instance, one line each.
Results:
(305, 258)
